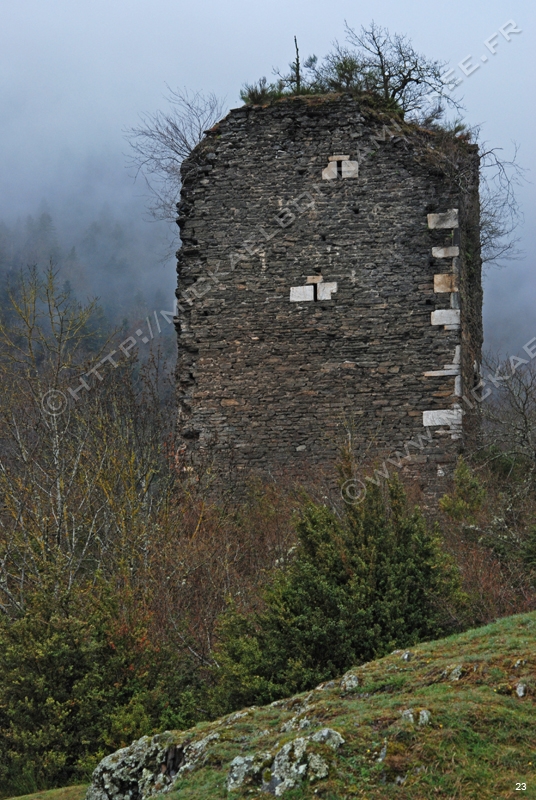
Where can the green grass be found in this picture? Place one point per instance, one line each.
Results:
(70, 793)
(480, 743)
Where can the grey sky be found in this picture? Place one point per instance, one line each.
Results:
(75, 73)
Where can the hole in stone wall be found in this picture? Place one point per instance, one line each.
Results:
(190, 433)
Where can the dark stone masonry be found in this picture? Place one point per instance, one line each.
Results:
(329, 290)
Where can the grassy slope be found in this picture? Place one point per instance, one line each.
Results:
(479, 743)
(70, 793)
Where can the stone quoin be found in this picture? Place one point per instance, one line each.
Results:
(323, 295)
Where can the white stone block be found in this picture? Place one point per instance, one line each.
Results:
(438, 373)
(314, 279)
(445, 252)
(447, 220)
(350, 169)
(446, 316)
(458, 386)
(445, 282)
(325, 290)
(447, 416)
(330, 172)
(302, 294)
(338, 158)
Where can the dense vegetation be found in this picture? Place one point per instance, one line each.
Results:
(353, 589)
(382, 68)
(452, 719)
(136, 596)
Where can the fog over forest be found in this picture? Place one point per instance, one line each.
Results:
(95, 229)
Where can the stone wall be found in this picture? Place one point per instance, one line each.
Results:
(328, 286)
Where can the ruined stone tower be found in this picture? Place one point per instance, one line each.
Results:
(328, 285)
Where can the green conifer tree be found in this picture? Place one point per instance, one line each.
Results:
(356, 588)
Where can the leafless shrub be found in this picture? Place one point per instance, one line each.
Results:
(499, 179)
(493, 588)
(509, 415)
(390, 66)
(500, 215)
(375, 62)
(164, 139)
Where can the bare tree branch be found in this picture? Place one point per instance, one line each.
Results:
(509, 417)
(164, 139)
(390, 66)
(500, 215)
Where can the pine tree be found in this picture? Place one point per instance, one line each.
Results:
(357, 588)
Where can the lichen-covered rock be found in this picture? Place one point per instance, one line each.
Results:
(236, 716)
(328, 736)
(244, 769)
(239, 770)
(453, 673)
(147, 767)
(316, 767)
(289, 767)
(297, 722)
(322, 686)
(424, 716)
(194, 753)
(349, 682)
(293, 763)
(119, 775)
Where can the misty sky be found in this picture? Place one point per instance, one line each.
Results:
(76, 73)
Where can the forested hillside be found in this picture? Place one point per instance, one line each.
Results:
(115, 259)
